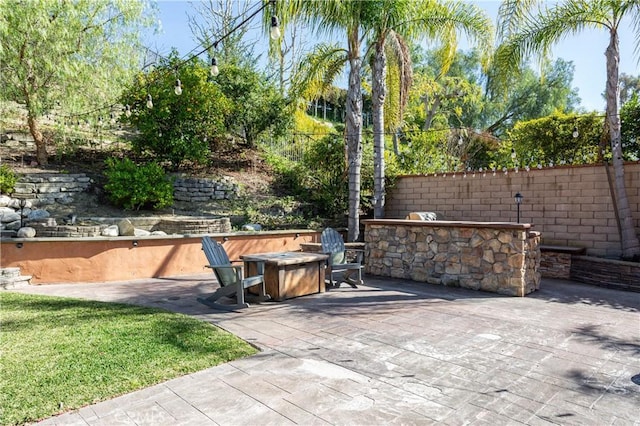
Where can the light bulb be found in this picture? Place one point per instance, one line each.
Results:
(178, 88)
(149, 101)
(575, 133)
(513, 154)
(275, 29)
(112, 118)
(460, 141)
(127, 111)
(214, 67)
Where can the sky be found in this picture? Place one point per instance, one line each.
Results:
(586, 50)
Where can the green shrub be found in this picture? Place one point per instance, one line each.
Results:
(8, 179)
(134, 186)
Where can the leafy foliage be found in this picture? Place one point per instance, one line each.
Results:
(630, 127)
(8, 179)
(257, 106)
(177, 128)
(550, 139)
(68, 56)
(134, 186)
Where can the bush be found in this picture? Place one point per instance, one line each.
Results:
(133, 186)
(8, 179)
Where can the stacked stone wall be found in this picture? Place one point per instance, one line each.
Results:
(195, 190)
(568, 205)
(44, 189)
(501, 258)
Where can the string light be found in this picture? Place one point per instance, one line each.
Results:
(275, 29)
(178, 87)
(214, 67)
(575, 133)
(127, 111)
(149, 101)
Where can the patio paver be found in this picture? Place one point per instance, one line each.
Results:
(394, 352)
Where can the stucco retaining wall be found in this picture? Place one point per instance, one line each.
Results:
(84, 260)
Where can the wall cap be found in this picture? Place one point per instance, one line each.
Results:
(449, 224)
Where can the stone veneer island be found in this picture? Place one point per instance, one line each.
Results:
(499, 257)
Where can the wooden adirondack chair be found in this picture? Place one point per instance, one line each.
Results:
(339, 262)
(230, 277)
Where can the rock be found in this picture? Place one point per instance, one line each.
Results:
(26, 232)
(141, 232)
(67, 199)
(13, 226)
(38, 214)
(110, 231)
(6, 210)
(9, 216)
(252, 227)
(126, 228)
(4, 200)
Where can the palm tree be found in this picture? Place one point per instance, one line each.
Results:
(405, 19)
(329, 16)
(535, 36)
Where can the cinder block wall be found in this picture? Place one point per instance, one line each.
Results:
(569, 205)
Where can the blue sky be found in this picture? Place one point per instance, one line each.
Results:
(586, 50)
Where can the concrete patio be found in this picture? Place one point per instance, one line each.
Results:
(395, 352)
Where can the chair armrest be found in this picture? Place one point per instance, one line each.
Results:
(224, 266)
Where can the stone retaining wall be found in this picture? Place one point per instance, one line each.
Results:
(497, 257)
(555, 265)
(47, 188)
(606, 272)
(44, 189)
(202, 189)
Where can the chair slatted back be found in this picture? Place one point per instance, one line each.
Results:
(217, 256)
(333, 243)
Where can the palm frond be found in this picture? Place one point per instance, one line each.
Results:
(318, 70)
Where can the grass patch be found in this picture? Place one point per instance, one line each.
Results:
(59, 354)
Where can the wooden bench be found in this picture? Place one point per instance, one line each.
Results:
(555, 260)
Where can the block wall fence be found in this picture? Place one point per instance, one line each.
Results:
(568, 205)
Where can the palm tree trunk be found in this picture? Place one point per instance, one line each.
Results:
(354, 133)
(628, 238)
(378, 95)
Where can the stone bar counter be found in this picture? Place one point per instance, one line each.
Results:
(497, 257)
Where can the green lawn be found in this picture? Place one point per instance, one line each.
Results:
(58, 354)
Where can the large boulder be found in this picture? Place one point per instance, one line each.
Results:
(38, 214)
(8, 216)
(141, 232)
(126, 228)
(26, 232)
(110, 231)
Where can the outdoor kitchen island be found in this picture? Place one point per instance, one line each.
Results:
(499, 257)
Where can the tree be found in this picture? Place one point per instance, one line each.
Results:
(257, 106)
(438, 22)
(331, 16)
(215, 18)
(181, 127)
(526, 35)
(630, 130)
(629, 85)
(77, 55)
